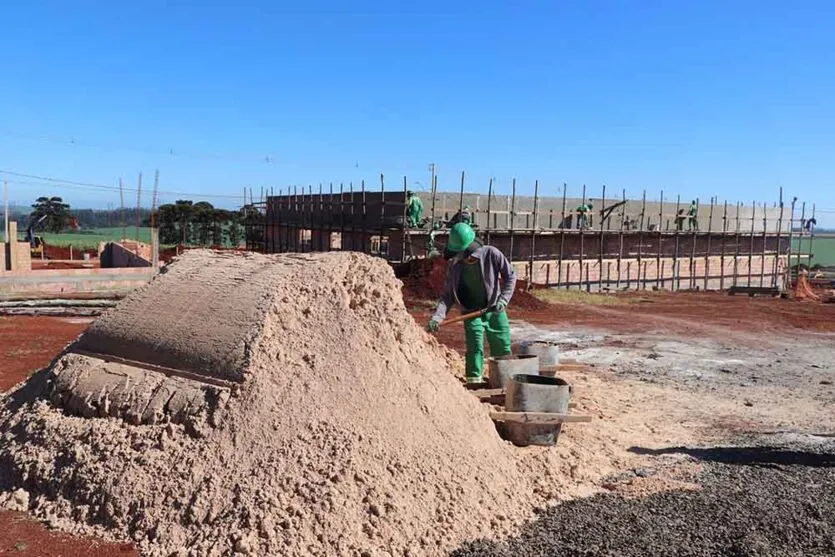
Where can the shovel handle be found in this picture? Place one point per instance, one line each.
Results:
(464, 317)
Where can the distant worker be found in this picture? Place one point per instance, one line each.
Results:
(680, 218)
(414, 210)
(692, 216)
(465, 215)
(477, 278)
(810, 225)
(583, 212)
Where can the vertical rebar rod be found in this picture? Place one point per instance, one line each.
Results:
(365, 241)
(353, 220)
(342, 218)
(812, 236)
(775, 277)
(533, 232)
(601, 245)
(643, 282)
(620, 240)
(800, 235)
(676, 280)
(762, 258)
(737, 242)
(659, 280)
(692, 266)
(404, 228)
(709, 238)
(512, 218)
(382, 212)
(461, 194)
(330, 220)
(562, 238)
(724, 243)
(580, 282)
(489, 205)
(751, 242)
(433, 187)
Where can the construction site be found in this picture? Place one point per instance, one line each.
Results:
(669, 384)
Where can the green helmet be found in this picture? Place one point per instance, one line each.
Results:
(461, 236)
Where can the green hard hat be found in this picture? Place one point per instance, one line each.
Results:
(461, 235)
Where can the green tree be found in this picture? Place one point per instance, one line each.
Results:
(54, 212)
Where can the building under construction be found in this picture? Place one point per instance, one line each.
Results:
(625, 244)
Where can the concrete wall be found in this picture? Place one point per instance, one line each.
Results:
(14, 255)
(710, 273)
(117, 255)
(74, 280)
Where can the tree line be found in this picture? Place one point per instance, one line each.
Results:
(200, 224)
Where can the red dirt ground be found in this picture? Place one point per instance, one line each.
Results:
(29, 343)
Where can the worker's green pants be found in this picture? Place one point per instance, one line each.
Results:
(497, 327)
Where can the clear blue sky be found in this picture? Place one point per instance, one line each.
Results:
(731, 98)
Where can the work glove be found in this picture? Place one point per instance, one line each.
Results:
(501, 305)
(433, 325)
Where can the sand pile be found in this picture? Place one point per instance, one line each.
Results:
(320, 420)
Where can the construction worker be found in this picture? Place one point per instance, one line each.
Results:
(583, 212)
(414, 210)
(478, 278)
(465, 215)
(680, 217)
(692, 214)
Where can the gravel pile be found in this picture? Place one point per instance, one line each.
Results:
(755, 502)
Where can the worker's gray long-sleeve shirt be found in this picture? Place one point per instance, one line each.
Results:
(493, 265)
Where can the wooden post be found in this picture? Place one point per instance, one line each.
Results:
(512, 218)
(533, 232)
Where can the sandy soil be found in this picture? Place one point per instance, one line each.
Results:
(671, 370)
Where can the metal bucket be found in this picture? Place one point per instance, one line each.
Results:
(535, 393)
(502, 368)
(548, 352)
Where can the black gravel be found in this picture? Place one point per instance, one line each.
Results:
(755, 502)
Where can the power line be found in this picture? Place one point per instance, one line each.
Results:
(167, 152)
(43, 180)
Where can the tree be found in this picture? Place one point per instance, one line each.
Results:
(54, 212)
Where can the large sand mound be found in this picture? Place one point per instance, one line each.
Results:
(344, 432)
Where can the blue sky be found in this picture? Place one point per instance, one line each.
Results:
(702, 98)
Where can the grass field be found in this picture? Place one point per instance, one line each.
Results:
(91, 238)
(823, 248)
